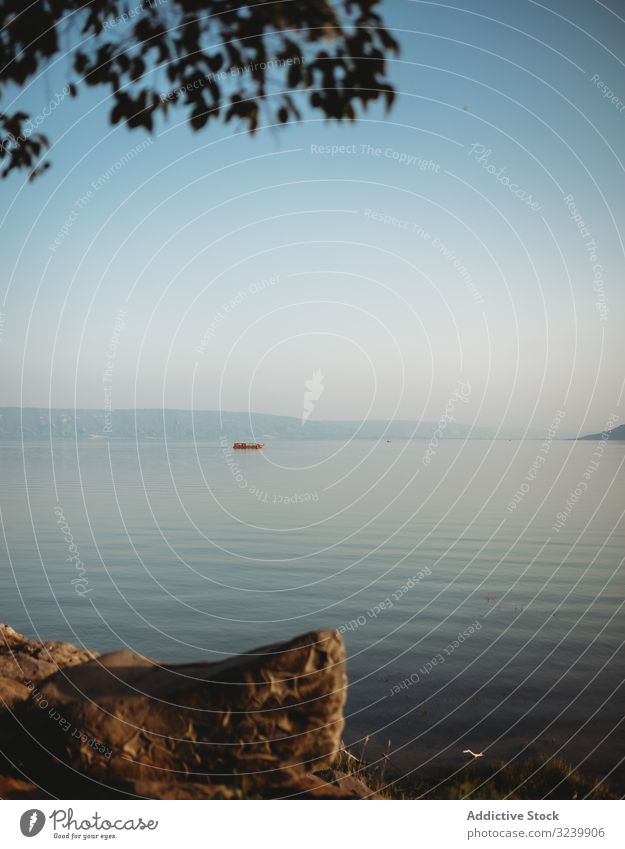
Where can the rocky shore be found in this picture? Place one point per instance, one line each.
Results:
(266, 724)
(263, 725)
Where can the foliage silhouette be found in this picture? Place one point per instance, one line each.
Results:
(211, 59)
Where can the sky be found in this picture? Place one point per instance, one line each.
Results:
(470, 237)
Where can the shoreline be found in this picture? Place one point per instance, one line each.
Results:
(268, 723)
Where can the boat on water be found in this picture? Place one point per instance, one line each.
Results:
(241, 446)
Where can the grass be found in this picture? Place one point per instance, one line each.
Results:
(538, 777)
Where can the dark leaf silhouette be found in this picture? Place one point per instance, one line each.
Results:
(247, 60)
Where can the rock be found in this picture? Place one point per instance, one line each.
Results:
(60, 653)
(11, 692)
(14, 788)
(33, 660)
(22, 667)
(24, 661)
(260, 720)
(10, 639)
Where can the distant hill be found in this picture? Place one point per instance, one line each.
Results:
(617, 434)
(33, 423)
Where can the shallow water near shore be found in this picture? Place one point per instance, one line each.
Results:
(469, 622)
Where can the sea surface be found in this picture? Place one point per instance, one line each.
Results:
(479, 585)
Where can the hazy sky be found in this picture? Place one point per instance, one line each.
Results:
(218, 270)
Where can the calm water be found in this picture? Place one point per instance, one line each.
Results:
(186, 555)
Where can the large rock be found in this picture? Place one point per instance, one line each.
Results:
(11, 693)
(258, 720)
(25, 662)
(17, 666)
(33, 660)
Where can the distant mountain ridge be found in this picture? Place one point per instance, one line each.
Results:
(617, 434)
(33, 423)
